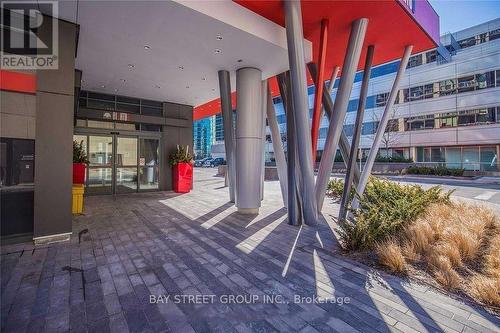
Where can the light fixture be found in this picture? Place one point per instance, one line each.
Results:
(219, 37)
(239, 60)
(131, 66)
(147, 47)
(157, 86)
(187, 87)
(116, 90)
(123, 80)
(217, 51)
(181, 68)
(103, 86)
(213, 89)
(203, 78)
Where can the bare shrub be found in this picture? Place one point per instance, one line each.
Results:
(486, 289)
(450, 251)
(465, 241)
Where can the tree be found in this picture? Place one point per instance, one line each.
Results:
(392, 132)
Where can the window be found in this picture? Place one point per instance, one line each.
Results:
(429, 91)
(151, 111)
(123, 107)
(406, 95)
(348, 130)
(100, 104)
(431, 56)
(468, 42)
(419, 123)
(467, 117)
(392, 125)
(381, 99)
(447, 87)
(415, 61)
(466, 83)
(416, 93)
(488, 157)
(447, 119)
(494, 34)
(482, 38)
(437, 154)
(498, 78)
(369, 128)
(485, 116)
(485, 80)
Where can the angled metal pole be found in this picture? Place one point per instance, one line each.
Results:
(357, 133)
(351, 61)
(294, 216)
(344, 145)
(296, 58)
(316, 120)
(335, 73)
(382, 125)
(228, 126)
(264, 112)
(279, 154)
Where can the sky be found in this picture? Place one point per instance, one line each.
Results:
(460, 14)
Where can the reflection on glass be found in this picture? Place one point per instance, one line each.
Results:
(148, 162)
(471, 158)
(126, 180)
(488, 158)
(126, 151)
(99, 181)
(453, 158)
(100, 150)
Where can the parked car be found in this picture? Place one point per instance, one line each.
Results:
(207, 163)
(199, 163)
(217, 161)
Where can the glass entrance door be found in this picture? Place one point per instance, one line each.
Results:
(100, 154)
(120, 164)
(126, 165)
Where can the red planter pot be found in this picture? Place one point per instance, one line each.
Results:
(79, 173)
(182, 174)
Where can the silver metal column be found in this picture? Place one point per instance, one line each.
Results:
(344, 145)
(228, 124)
(335, 73)
(357, 133)
(279, 154)
(249, 118)
(296, 58)
(382, 124)
(293, 206)
(351, 61)
(264, 143)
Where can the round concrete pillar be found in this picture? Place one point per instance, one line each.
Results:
(249, 136)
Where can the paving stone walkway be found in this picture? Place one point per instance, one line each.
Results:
(221, 272)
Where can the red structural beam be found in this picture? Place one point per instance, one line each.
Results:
(323, 42)
(18, 82)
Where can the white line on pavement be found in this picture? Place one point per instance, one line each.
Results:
(485, 195)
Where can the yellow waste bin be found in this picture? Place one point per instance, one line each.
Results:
(77, 198)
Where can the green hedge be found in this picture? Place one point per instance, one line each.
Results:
(384, 209)
(438, 171)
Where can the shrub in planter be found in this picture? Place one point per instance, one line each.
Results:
(437, 171)
(182, 169)
(385, 208)
(80, 161)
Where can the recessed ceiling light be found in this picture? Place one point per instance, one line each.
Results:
(239, 60)
(157, 86)
(181, 68)
(147, 47)
(203, 78)
(218, 51)
(219, 37)
(103, 86)
(213, 89)
(123, 80)
(116, 90)
(131, 65)
(187, 87)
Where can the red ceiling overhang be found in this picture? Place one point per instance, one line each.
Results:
(391, 27)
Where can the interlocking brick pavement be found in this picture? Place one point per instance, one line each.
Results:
(196, 244)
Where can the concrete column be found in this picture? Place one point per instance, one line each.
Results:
(53, 140)
(295, 41)
(351, 61)
(382, 124)
(351, 165)
(249, 118)
(279, 154)
(227, 118)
